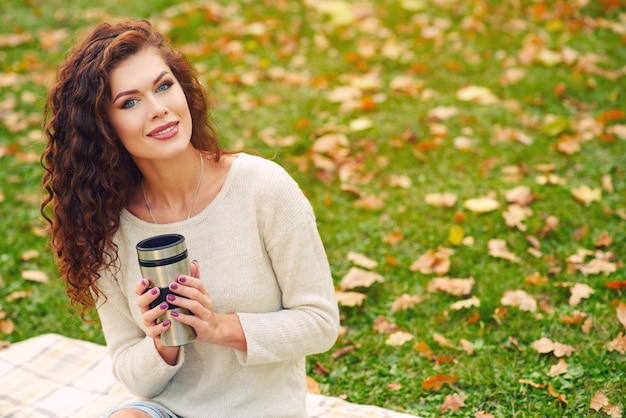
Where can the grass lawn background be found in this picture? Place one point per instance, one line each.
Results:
(373, 106)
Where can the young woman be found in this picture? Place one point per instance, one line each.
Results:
(131, 155)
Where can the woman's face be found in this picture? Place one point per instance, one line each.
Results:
(149, 110)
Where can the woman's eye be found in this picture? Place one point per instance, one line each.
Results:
(165, 86)
(129, 103)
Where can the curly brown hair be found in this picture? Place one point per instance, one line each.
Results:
(89, 176)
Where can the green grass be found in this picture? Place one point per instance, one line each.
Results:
(294, 40)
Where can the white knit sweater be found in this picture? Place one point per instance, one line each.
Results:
(261, 257)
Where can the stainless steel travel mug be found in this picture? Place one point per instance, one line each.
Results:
(162, 259)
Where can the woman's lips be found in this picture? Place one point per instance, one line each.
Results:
(164, 131)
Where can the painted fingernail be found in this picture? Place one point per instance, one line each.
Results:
(163, 306)
(173, 286)
(174, 314)
(171, 298)
(182, 279)
(166, 323)
(154, 291)
(144, 283)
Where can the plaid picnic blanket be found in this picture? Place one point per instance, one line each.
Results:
(52, 376)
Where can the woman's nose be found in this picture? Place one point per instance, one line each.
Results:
(158, 109)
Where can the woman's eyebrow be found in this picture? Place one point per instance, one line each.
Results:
(127, 92)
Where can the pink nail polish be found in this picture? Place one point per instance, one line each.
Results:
(154, 291)
(182, 279)
(166, 323)
(173, 286)
(144, 282)
(174, 314)
(164, 306)
(171, 298)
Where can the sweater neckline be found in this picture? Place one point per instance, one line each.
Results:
(127, 216)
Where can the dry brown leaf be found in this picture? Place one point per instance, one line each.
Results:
(559, 397)
(35, 276)
(405, 302)
(466, 303)
(20, 294)
(452, 402)
(604, 240)
(445, 200)
(456, 287)
(585, 195)
(520, 195)
(481, 205)
(312, 386)
(424, 350)
(621, 313)
(607, 183)
(399, 338)
(357, 277)
(432, 261)
(350, 298)
(587, 326)
(467, 346)
(361, 260)
(515, 215)
(482, 414)
(29, 255)
(383, 326)
(575, 318)
(519, 298)
(394, 386)
(618, 344)
(370, 202)
(436, 382)
(442, 113)
(579, 292)
(403, 182)
(531, 383)
(7, 326)
(498, 248)
(476, 94)
(559, 368)
(443, 341)
(599, 401)
(545, 346)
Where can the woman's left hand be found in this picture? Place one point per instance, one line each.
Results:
(210, 327)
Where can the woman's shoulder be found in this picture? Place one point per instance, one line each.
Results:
(261, 169)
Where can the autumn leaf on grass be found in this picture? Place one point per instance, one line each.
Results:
(432, 261)
(443, 200)
(621, 313)
(456, 287)
(586, 195)
(436, 382)
(405, 302)
(559, 368)
(559, 397)
(476, 94)
(601, 402)
(546, 346)
(600, 264)
(312, 386)
(519, 298)
(452, 403)
(361, 260)
(481, 204)
(35, 276)
(357, 277)
(515, 216)
(350, 298)
(399, 338)
(443, 341)
(520, 195)
(579, 292)
(618, 344)
(465, 303)
(498, 248)
(383, 326)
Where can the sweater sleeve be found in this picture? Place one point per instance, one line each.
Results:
(136, 361)
(308, 322)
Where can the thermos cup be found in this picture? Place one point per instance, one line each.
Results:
(162, 259)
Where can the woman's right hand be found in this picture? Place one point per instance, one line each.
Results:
(147, 295)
